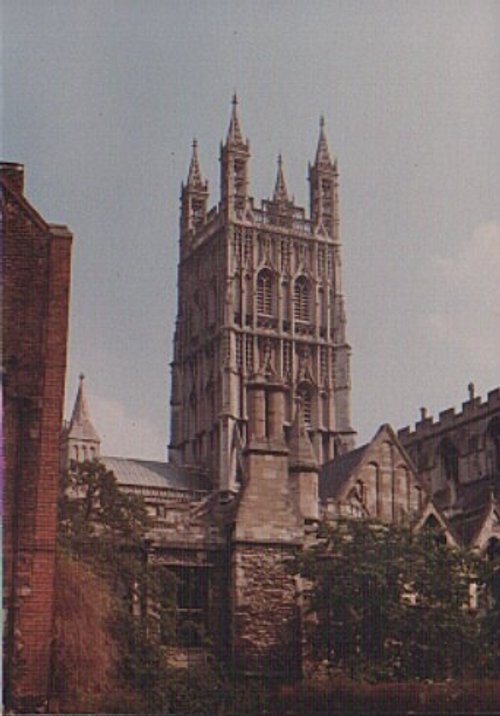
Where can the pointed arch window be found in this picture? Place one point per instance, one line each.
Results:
(449, 460)
(301, 305)
(494, 444)
(265, 293)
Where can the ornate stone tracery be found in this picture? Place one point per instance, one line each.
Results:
(272, 301)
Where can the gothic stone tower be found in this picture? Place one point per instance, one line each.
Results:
(258, 288)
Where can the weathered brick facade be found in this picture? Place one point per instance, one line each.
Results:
(36, 278)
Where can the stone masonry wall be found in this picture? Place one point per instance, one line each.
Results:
(266, 625)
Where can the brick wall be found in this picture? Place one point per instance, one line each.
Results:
(36, 278)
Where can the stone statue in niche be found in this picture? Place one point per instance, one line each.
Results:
(304, 371)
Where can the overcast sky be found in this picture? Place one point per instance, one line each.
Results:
(102, 98)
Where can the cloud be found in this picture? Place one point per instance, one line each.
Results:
(466, 288)
(123, 434)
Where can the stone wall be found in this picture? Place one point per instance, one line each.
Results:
(266, 624)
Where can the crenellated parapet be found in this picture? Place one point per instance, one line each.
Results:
(449, 419)
(459, 447)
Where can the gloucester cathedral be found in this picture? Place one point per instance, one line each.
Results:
(261, 445)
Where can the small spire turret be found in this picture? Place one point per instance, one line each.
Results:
(80, 424)
(194, 195)
(322, 152)
(195, 179)
(323, 179)
(80, 440)
(280, 191)
(234, 157)
(234, 135)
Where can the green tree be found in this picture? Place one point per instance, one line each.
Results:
(490, 622)
(107, 528)
(390, 604)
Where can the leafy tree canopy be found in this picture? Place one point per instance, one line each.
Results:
(390, 604)
(107, 528)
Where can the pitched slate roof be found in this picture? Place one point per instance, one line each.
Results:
(149, 473)
(334, 474)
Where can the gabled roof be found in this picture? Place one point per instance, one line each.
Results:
(430, 510)
(476, 506)
(335, 474)
(472, 509)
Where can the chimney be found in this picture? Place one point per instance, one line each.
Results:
(14, 173)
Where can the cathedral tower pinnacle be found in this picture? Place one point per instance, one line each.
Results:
(194, 196)
(280, 191)
(234, 156)
(323, 179)
(260, 293)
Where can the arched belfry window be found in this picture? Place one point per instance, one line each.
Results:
(301, 298)
(265, 293)
(304, 391)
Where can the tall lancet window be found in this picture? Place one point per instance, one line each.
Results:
(494, 445)
(265, 293)
(305, 392)
(301, 310)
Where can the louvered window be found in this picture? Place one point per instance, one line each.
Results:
(265, 293)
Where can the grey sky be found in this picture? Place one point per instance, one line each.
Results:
(102, 100)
